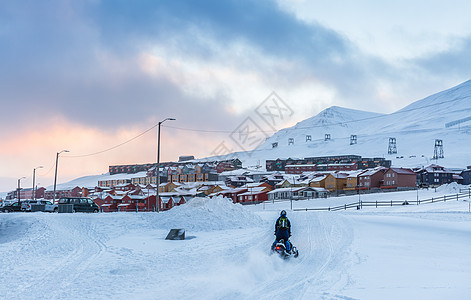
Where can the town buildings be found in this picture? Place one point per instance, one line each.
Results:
(326, 163)
(314, 177)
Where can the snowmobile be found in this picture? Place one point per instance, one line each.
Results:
(281, 250)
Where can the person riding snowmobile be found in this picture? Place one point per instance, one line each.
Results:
(283, 231)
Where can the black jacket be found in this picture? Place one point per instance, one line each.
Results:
(279, 225)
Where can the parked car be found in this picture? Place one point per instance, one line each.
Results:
(48, 206)
(80, 204)
(15, 206)
(26, 204)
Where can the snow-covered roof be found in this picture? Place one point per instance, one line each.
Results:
(403, 171)
(370, 172)
(254, 191)
(282, 190)
(318, 178)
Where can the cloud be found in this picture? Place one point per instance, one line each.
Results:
(82, 60)
(455, 62)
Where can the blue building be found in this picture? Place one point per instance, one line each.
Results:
(434, 175)
(466, 174)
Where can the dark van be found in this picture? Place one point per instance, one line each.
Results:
(80, 204)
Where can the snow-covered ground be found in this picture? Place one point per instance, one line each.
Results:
(407, 252)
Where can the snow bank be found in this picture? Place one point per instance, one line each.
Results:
(451, 188)
(205, 214)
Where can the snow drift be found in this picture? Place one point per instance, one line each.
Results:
(205, 214)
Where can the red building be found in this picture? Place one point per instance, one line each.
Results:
(254, 195)
(399, 178)
(28, 193)
(74, 192)
(372, 178)
(126, 203)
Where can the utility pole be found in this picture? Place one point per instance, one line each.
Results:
(55, 175)
(18, 194)
(34, 178)
(158, 163)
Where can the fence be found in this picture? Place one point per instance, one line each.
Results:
(463, 193)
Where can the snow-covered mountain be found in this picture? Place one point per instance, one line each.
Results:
(445, 116)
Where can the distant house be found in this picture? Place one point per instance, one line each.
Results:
(301, 168)
(73, 192)
(280, 194)
(208, 189)
(238, 180)
(113, 182)
(434, 175)
(168, 187)
(318, 181)
(334, 181)
(352, 182)
(286, 183)
(395, 178)
(28, 193)
(297, 193)
(255, 194)
(310, 192)
(231, 193)
(466, 174)
(371, 178)
(126, 203)
(273, 179)
(125, 187)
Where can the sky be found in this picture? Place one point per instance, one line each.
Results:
(95, 77)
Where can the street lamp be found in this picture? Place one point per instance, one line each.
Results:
(158, 162)
(18, 193)
(55, 176)
(34, 178)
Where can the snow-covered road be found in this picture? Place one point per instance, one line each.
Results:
(420, 252)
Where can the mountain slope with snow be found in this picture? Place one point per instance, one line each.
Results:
(445, 116)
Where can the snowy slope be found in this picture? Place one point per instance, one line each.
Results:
(415, 128)
(412, 252)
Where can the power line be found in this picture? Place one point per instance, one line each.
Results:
(114, 147)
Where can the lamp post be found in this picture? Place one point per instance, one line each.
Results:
(18, 193)
(158, 162)
(55, 175)
(34, 179)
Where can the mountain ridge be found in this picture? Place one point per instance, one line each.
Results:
(415, 128)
